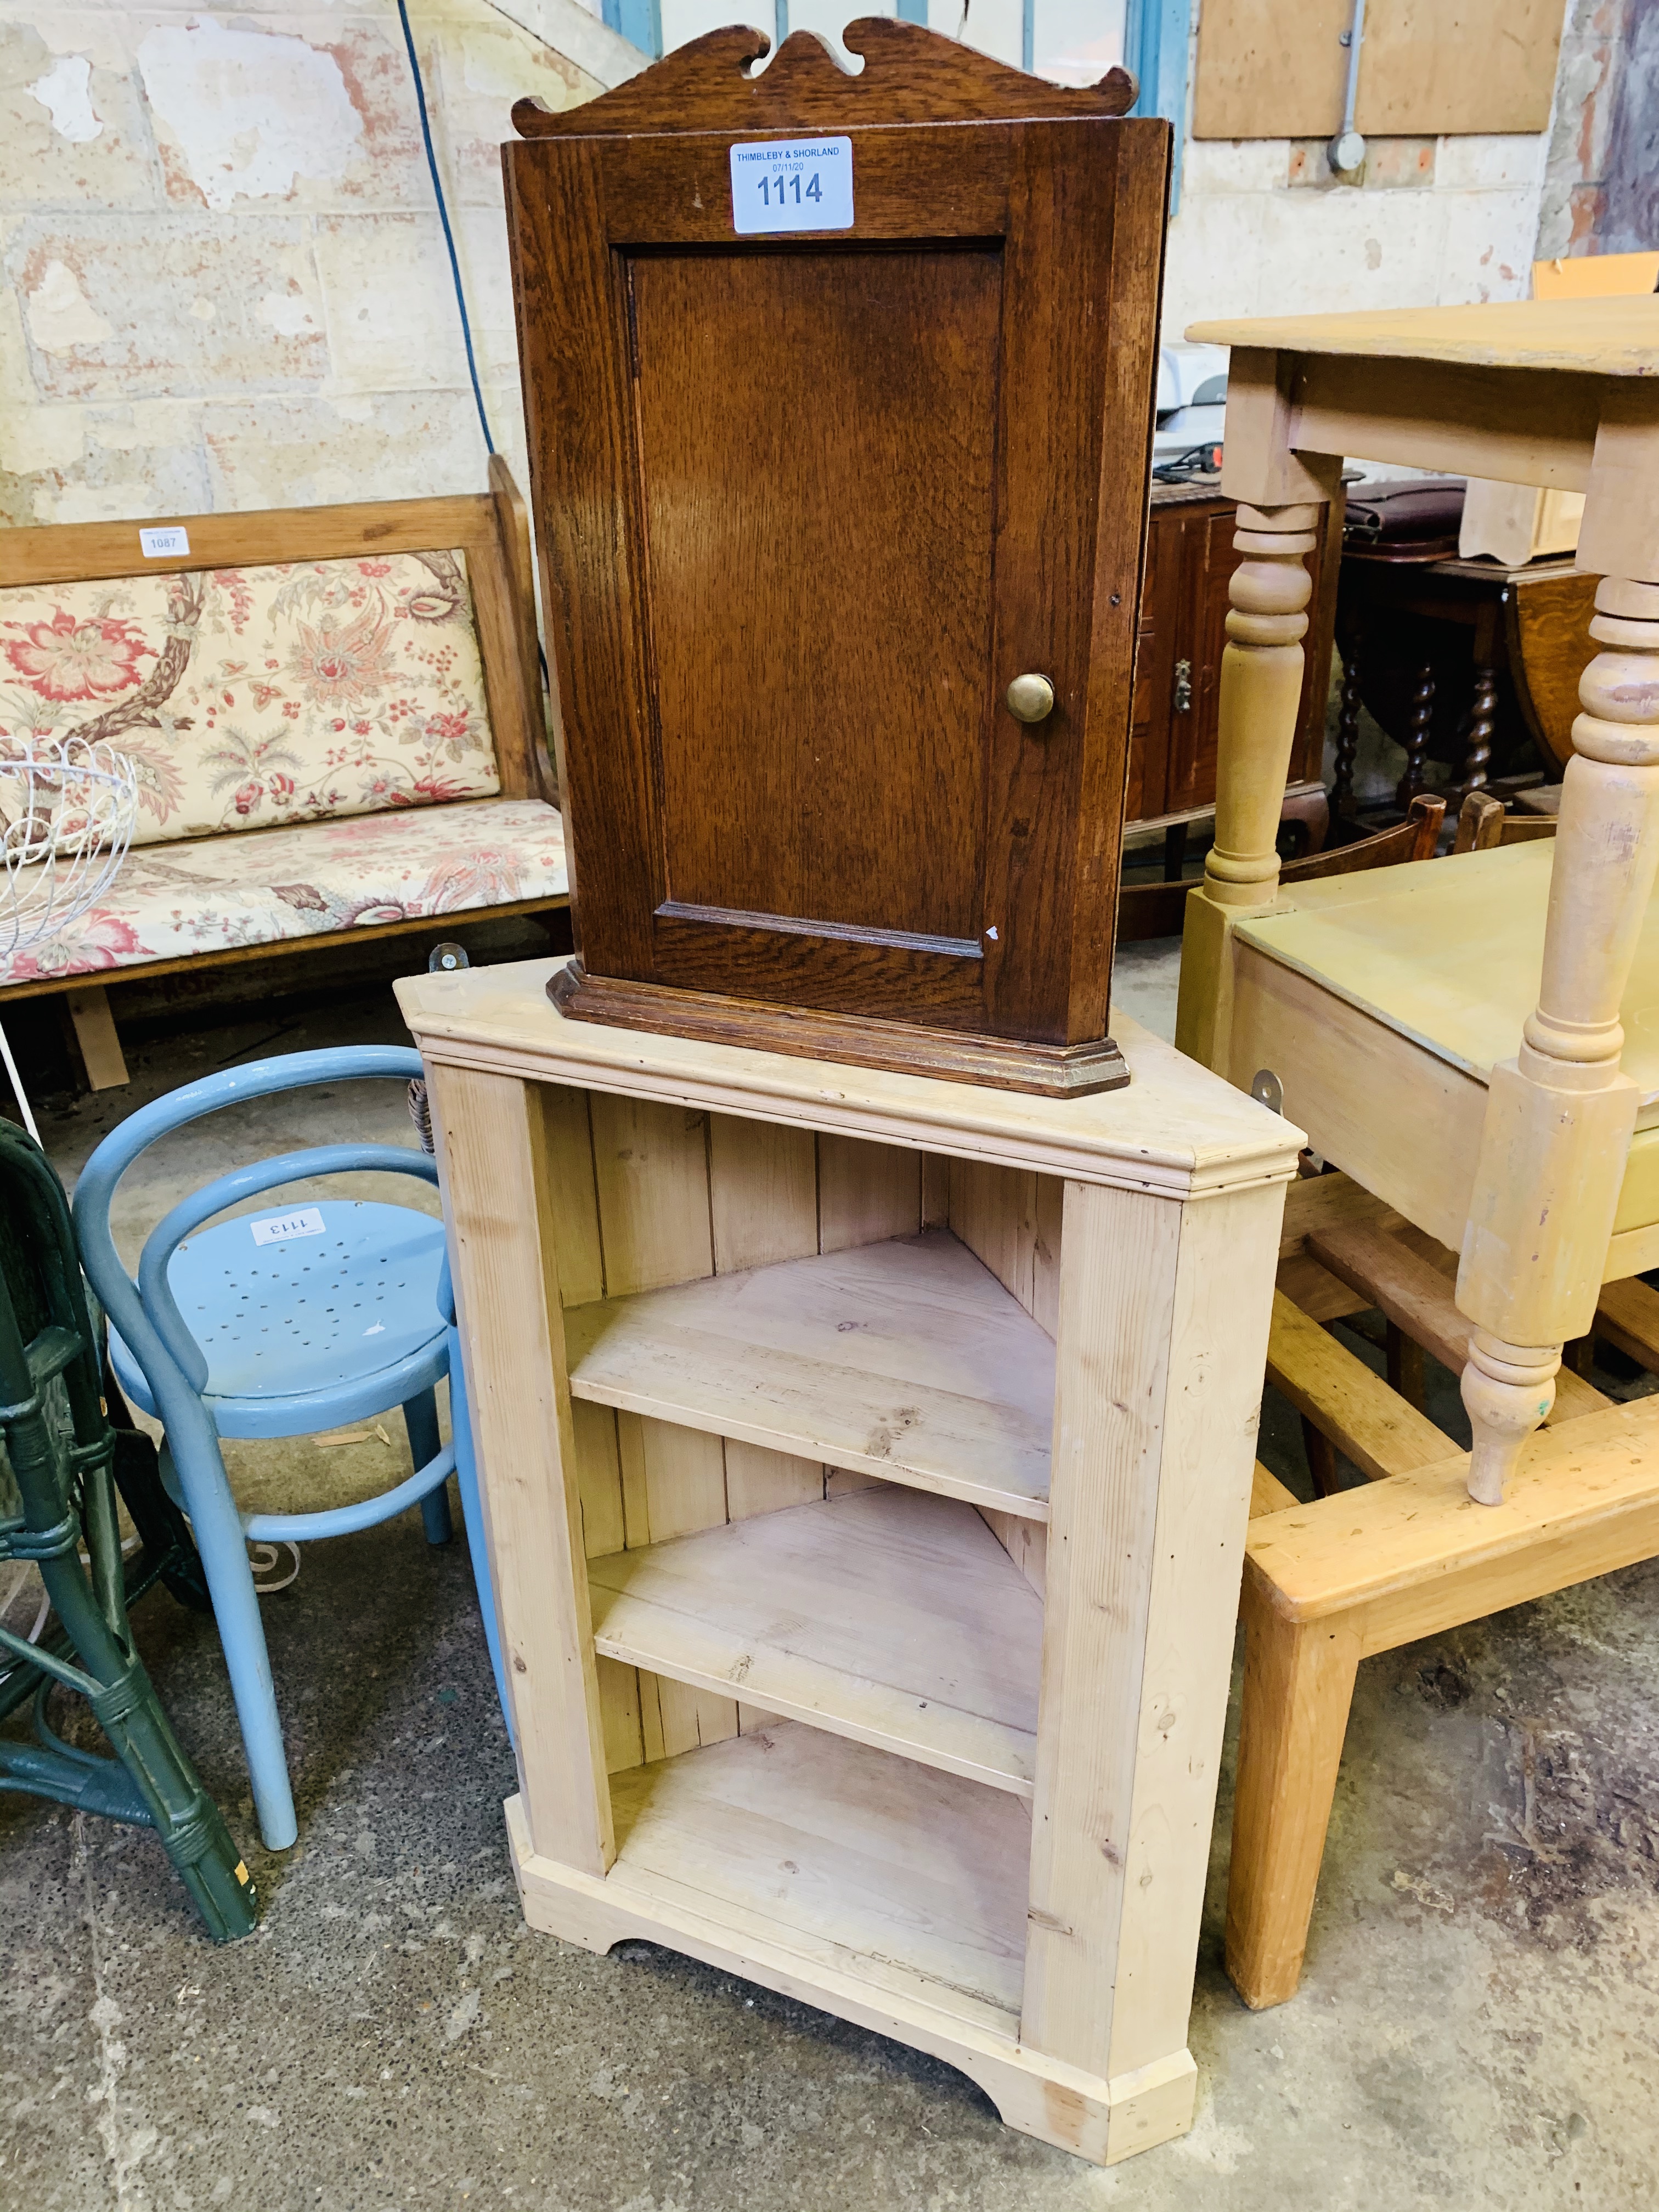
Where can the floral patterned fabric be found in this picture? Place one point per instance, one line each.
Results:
(250, 697)
(171, 901)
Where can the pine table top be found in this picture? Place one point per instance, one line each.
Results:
(1600, 338)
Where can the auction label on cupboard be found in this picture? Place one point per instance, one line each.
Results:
(793, 184)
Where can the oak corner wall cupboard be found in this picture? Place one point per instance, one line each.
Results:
(841, 501)
(865, 1461)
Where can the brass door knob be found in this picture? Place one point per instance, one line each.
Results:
(1030, 698)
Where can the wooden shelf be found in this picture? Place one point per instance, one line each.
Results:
(887, 1616)
(906, 1359)
(912, 1880)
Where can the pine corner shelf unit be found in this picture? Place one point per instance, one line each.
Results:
(866, 1461)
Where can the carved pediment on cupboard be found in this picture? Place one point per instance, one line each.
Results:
(910, 75)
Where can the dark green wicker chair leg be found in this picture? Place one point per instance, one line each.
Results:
(168, 1551)
(61, 1450)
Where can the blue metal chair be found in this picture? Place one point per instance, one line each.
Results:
(279, 1326)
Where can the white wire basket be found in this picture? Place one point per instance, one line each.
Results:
(67, 811)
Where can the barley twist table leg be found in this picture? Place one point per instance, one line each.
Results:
(1419, 728)
(1478, 730)
(1348, 733)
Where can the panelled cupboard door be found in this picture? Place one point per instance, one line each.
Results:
(809, 499)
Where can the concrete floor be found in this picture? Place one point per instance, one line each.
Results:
(1479, 2025)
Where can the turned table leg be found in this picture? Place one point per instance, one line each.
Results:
(1260, 694)
(1478, 732)
(1559, 1115)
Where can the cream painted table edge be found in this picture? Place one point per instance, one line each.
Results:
(1173, 1193)
(1559, 394)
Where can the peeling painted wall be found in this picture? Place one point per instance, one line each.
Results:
(227, 285)
(1629, 219)
(227, 281)
(1599, 191)
(1264, 228)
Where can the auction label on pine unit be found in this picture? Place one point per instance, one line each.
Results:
(793, 184)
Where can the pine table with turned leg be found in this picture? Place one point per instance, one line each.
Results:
(1475, 1042)
(866, 1459)
(1564, 395)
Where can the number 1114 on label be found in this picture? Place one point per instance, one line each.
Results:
(788, 191)
(794, 184)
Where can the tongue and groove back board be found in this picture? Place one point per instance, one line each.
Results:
(808, 501)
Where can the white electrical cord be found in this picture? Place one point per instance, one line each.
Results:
(263, 1567)
(18, 1091)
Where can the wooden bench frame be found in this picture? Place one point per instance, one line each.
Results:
(491, 528)
(1524, 1171)
(1357, 1572)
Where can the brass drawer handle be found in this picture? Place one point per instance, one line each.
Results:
(1030, 698)
(1183, 687)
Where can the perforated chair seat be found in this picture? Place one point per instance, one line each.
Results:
(284, 1319)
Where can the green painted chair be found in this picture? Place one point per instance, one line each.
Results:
(65, 1461)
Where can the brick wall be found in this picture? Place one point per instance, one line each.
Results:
(227, 285)
(226, 281)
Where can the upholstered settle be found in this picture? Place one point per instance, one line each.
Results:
(1447, 958)
(337, 717)
(256, 697)
(214, 895)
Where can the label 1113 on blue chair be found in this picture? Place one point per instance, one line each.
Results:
(793, 184)
(279, 1228)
